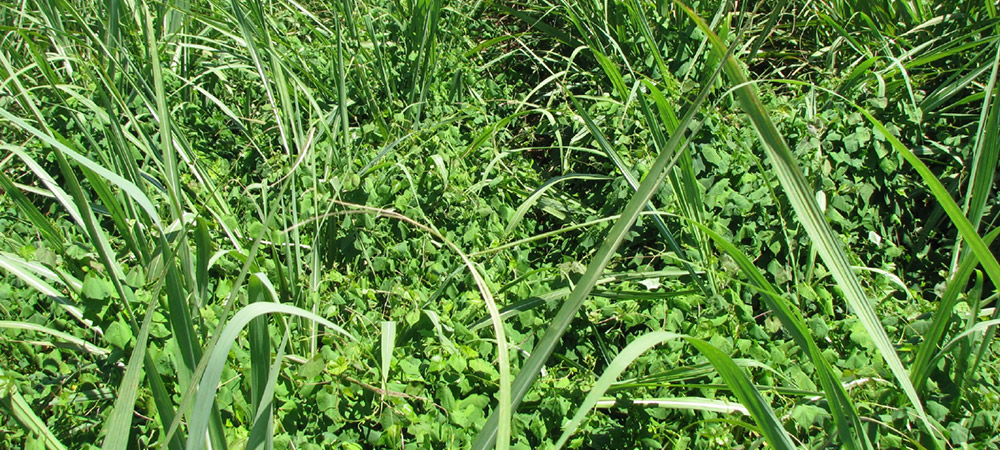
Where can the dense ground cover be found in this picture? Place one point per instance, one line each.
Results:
(310, 224)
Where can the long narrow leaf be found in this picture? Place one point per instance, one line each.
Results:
(540, 354)
(827, 244)
(734, 377)
(217, 360)
(13, 401)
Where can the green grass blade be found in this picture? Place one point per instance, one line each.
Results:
(734, 377)
(167, 153)
(128, 187)
(540, 354)
(975, 329)
(26, 273)
(533, 198)
(920, 369)
(621, 362)
(388, 344)
(118, 427)
(845, 415)
(259, 290)
(965, 227)
(986, 151)
(685, 403)
(828, 245)
(262, 430)
(48, 231)
(774, 433)
(659, 143)
(45, 178)
(72, 340)
(217, 360)
(24, 414)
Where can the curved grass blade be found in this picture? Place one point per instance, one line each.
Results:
(649, 186)
(217, 361)
(977, 328)
(505, 400)
(979, 245)
(13, 401)
(842, 409)
(774, 433)
(735, 379)
(128, 187)
(73, 340)
(533, 198)
(828, 245)
(45, 178)
(24, 271)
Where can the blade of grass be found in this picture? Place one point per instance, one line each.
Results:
(505, 405)
(49, 232)
(259, 289)
(533, 198)
(262, 430)
(693, 205)
(609, 150)
(72, 340)
(978, 245)
(964, 226)
(388, 344)
(735, 379)
(812, 219)
(205, 397)
(955, 341)
(128, 187)
(25, 272)
(540, 354)
(24, 414)
(923, 365)
(985, 155)
(118, 427)
(849, 426)
(686, 403)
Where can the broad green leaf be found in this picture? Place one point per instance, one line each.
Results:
(118, 334)
(95, 288)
